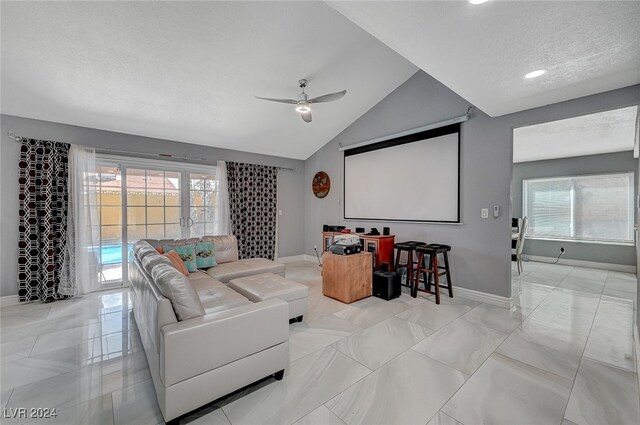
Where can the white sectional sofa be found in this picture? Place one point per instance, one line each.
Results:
(207, 340)
(226, 253)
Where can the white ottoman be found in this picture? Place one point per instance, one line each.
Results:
(265, 286)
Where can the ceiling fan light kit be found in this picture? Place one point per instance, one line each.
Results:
(303, 107)
(303, 104)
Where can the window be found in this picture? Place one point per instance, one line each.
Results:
(153, 204)
(149, 199)
(202, 202)
(596, 208)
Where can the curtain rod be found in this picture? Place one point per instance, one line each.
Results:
(157, 155)
(164, 155)
(438, 124)
(13, 136)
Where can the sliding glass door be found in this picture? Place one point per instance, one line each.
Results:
(203, 189)
(109, 252)
(153, 204)
(144, 199)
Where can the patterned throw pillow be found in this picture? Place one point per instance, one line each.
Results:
(187, 253)
(205, 256)
(176, 262)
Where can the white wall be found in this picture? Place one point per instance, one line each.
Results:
(290, 184)
(481, 247)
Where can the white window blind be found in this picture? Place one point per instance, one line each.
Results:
(596, 208)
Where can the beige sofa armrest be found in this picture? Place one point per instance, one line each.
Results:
(195, 346)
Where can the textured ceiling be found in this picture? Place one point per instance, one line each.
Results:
(483, 51)
(188, 71)
(610, 131)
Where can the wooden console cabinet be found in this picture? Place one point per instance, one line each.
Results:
(347, 278)
(381, 246)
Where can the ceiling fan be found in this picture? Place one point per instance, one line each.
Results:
(303, 103)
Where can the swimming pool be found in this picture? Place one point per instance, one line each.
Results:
(110, 254)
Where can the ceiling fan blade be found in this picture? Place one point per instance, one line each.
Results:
(290, 101)
(328, 97)
(306, 116)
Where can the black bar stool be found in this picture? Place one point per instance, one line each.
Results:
(409, 247)
(432, 250)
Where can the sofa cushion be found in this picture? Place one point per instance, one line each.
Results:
(198, 275)
(158, 244)
(264, 286)
(150, 261)
(250, 266)
(187, 253)
(138, 244)
(205, 255)
(214, 295)
(178, 289)
(225, 247)
(141, 249)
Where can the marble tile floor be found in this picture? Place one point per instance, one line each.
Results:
(563, 354)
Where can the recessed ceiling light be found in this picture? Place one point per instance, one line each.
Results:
(478, 1)
(535, 74)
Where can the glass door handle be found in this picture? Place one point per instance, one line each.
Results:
(181, 221)
(189, 222)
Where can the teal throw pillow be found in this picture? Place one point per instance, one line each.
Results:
(205, 256)
(187, 253)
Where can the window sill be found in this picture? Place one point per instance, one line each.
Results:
(537, 238)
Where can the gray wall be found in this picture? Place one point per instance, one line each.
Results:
(290, 184)
(575, 166)
(481, 247)
(637, 254)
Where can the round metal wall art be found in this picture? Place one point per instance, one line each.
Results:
(321, 184)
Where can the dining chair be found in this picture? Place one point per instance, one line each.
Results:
(520, 244)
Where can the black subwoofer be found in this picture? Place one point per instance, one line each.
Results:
(386, 285)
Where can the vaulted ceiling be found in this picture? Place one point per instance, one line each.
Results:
(189, 71)
(482, 52)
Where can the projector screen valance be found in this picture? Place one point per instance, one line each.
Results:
(414, 178)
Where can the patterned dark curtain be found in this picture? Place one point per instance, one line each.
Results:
(43, 200)
(252, 208)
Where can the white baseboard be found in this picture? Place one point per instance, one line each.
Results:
(484, 297)
(579, 263)
(293, 258)
(8, 300)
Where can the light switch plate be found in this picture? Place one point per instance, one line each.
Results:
(484, 213)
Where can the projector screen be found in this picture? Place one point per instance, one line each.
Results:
(410, 178)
